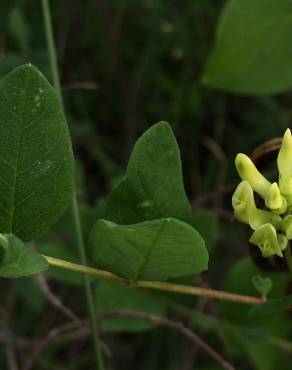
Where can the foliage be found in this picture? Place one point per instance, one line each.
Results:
(153, 185)
(253, 48)
(154, 225)
(155, 250)
(18, 261)
(36, 156)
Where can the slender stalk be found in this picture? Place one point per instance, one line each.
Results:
(288, 257)
(75, 210)
(175, 288)
(87, 286)
(51, 47)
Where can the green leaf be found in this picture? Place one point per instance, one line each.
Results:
(154, 250)
(118, 296)
(262, 285)
(17, 260)
(36, 161)
(271, 306)
(153, 186)
(253, 48)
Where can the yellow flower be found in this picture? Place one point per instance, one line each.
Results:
(248, 171)
(246, 211)
(243, 201)
(287, 226)
(284, 162)
(273, 227)
(274, 200)
(269, 242)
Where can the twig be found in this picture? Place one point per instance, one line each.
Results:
(215, 149)
(10, 354)
(157, 285)
(219, 192)
(77, 331)
(218, 212)
(266, 148)
(9, 341)
(53, 299)
(179, 327)
(80, 85)
(19, 342)
(42, 344)
(69, 331)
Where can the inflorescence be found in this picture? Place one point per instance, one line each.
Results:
(273, 225)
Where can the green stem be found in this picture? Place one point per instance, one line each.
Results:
(51, 47)
(87, 286)
(288, 257)
(157, 285)
(75, 210)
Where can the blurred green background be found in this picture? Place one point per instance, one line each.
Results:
(125, 65)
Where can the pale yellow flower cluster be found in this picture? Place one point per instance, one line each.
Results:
(273, 225)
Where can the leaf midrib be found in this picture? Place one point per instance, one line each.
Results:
(149, 251)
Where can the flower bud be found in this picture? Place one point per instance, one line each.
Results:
(284, 162)
(274, 199)
(266, 238)
(248, 171)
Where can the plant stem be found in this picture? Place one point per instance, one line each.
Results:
(75, 210)
(51, 47)
(175, 288)
(87, 286)
(288, 257)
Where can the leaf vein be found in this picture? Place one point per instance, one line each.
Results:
(8, 131)
(60, 163)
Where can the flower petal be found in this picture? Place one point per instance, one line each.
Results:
(266, 238)
(248, 171)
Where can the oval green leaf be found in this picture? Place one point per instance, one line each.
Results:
(253, 48)
(153, 186)
(153, 250)
(36, 160)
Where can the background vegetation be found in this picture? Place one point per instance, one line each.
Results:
(124, 66)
